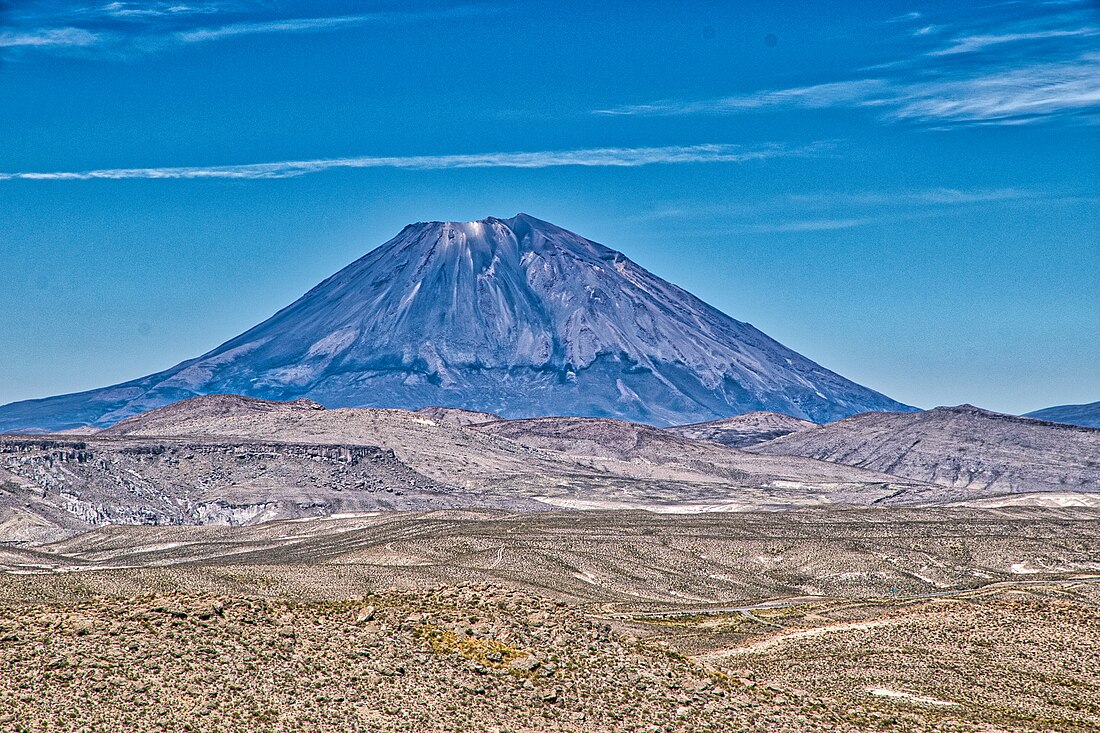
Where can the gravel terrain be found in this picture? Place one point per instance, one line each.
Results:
(859, 620)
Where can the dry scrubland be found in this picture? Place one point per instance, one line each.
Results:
(495, 621)
(475, 657)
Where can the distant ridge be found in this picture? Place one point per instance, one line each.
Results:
(959, 447)
(515, 317)
(1087, 415)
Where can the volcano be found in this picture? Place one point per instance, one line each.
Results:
(517, 317)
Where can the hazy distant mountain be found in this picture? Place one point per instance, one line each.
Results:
(1085, 415)
(516, 317)
(960, 447)
(744, 430)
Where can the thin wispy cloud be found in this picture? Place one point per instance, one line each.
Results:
(1044, 68)
(128, 28)
(970, 44)
(124, 14)
(292, 25)
(800, 225)
(591, 157)
(1014, 96)
(817, 96)
(325, 23)
(905, 17)
(931, 197)
(49, 37)
(839, 210)
(156, 10)
(844, 209)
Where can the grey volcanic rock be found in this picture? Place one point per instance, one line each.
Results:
(962, 447)
(1084, 415)
(741, 431)
(516, 317)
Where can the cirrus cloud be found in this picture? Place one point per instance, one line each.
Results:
(1046, 68)
(49, 37)
(1003, 97)
(589, 157)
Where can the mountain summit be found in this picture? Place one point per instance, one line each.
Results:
(515, 316)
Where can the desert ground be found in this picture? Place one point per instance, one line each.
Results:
(882, 619)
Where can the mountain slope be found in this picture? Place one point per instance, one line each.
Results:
(960, 447)
(516, 317)
(1084, 415)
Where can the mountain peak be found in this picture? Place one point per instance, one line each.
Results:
(520, 219)
(520, 233)
(516, 317)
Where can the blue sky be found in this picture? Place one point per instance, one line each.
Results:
(905, 192)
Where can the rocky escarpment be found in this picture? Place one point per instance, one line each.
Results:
(150, 481)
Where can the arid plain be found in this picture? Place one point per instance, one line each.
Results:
(283, 567)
